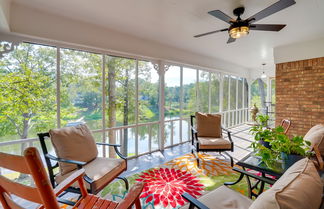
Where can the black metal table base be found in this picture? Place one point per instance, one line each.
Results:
(261, 180)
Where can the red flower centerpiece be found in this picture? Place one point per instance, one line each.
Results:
(164, 186)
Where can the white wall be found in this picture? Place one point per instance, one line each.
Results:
(4, 15)
(32, 22)
(299, 51)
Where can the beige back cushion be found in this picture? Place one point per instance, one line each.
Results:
(299, 188)
(208, 125)
(73, 143)
(316, 136)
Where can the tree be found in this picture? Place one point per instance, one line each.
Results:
(112, 101)
(27, 92)
(203, 91)
(120, 92)
(262, 93)
(258, 93)
(81, 87)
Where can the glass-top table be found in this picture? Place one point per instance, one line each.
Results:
(254, 167)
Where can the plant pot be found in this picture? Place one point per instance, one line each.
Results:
(289, 160)
(265, 144)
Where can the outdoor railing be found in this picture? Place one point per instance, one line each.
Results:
(142, 138)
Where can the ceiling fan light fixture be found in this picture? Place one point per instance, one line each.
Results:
(263, 75)
(238, 32)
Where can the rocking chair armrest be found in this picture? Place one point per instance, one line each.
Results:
(78, 163)
(194, 202)
(75, 176)
(116, 149)
(132, 197)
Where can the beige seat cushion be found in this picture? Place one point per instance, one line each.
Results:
(101, 170)
(73, 143)
(299, 188)
(214, 143)
(316, 136)
(208, 125)
(225, 198)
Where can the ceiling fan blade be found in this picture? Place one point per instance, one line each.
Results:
(221, 15)
(276, 7)
(230, 40)
(211, 32)
(266, 27)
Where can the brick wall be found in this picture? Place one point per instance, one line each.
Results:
(300, 94)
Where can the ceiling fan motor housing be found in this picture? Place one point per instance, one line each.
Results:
(238, 11)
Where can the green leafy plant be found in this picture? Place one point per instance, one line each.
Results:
(262, 134)
(260, 131)
(294, 146)
(267, 153)
(278, 142)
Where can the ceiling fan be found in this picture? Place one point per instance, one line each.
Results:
(239, 27)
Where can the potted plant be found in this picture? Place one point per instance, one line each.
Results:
(262, 134)
(272, 144)
(262, 144)
(290, 149)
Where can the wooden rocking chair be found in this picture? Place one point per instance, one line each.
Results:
(43, 193)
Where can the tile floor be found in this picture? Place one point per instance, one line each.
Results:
(240, 136)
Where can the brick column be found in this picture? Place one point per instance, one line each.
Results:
(300, 94)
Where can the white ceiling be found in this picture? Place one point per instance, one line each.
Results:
(175, 22)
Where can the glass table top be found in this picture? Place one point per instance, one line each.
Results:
(275, 168)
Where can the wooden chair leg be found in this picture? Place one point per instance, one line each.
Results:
(137, 203)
